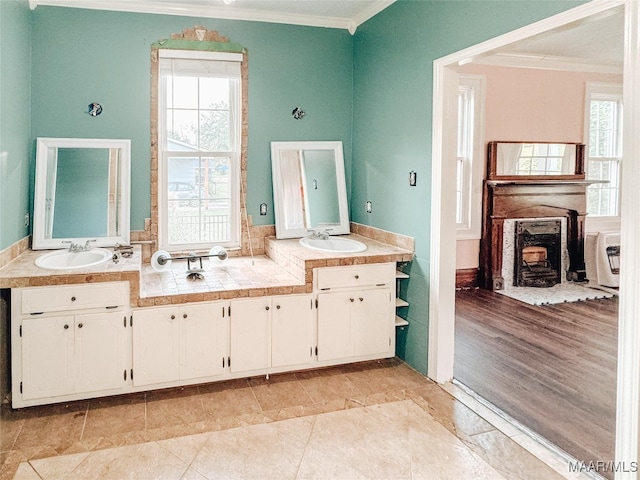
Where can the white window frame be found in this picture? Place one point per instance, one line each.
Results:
(473, 159)
(613, 91)
(164, 155)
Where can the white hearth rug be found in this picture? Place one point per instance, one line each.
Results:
(560, 293)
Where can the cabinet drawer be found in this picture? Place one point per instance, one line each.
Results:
(355, 276)
(74, 297)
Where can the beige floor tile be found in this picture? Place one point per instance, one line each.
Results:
(279, 391)
(323, 386)
(185, 448)
(510, 458)
(114, 417)
(270, 451)
(58, 467)
(174, 407)
(26, 472)
(136, 462)
(56, 426)
(228, 399)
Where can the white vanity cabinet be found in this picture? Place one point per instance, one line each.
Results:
(292, 331)
(271, 333)
(172, 344)
(355, 312)
(68, 341)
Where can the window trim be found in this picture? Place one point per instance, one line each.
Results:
(593, 222)
(471, 228)
(165, 155)
(244, 247)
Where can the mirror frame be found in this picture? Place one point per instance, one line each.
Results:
(43, 144)
(492, 159)
(282, 231)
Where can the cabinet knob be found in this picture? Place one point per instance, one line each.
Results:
(356, 277)
(266, 308)
(173, 317)
(352, 300)
(66, 327)
(73, 299)
(361, 299)
(184, 315)
(278, 307)
(80, 325)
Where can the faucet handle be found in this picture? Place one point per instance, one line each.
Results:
(87, 246)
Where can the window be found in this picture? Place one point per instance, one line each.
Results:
(470, 157)
(199, 131)
(603, 134)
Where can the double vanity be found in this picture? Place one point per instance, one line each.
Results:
(89, 321)
(119, 328)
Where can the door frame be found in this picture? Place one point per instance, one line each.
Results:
(443, 239)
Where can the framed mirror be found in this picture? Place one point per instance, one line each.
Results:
(82, 192)
(309, 188)
(535, 160)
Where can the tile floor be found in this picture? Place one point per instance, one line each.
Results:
(376, 419)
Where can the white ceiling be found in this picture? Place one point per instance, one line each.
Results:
(594, 44)
(347, 14)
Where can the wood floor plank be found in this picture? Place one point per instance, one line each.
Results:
(551, 367)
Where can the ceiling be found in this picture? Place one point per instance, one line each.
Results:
(347, 14)
(594, 44)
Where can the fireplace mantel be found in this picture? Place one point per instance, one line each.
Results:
(531, 199)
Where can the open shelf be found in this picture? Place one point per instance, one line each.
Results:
(401, 322)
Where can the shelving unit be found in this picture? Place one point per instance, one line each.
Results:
(400, 322)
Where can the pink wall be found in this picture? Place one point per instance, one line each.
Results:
(530, 105)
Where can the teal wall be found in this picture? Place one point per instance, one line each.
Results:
(393, 86)
(84, 56)
(372, 91)
(15, 119)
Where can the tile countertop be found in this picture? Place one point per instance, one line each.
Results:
(286, 269)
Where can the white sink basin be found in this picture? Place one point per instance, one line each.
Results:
(333, 244)
(66, 260)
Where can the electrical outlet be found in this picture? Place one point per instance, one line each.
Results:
(26, 219)
(368, 207)
(263, 209)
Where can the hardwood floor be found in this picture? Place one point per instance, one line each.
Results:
(551, 367)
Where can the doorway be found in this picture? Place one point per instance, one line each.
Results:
(442, 294)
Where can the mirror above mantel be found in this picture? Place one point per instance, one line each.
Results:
(82, 192)
(535, 161)
(309, 188)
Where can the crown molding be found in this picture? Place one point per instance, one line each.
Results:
(226, 12)
(549, 62)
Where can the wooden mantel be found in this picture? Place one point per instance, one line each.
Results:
(514, 199)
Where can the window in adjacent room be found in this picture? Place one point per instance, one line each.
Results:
(470, 158)
(199, 145)
(603, 138)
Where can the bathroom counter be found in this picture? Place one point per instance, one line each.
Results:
(287, 268)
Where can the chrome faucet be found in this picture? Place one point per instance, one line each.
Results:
(76, 247)
(318, 235)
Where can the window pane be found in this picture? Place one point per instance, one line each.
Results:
(215, 131)
(183, 127)
(214, 93)
(199, 200)
(185, 92)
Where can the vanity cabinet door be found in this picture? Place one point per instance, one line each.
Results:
(355, 323)
(202, 343)
(292, 330)
(99, 351)
(250, 334)
(47, 357)
(373, 320)
(335, 328)
(155, 346)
